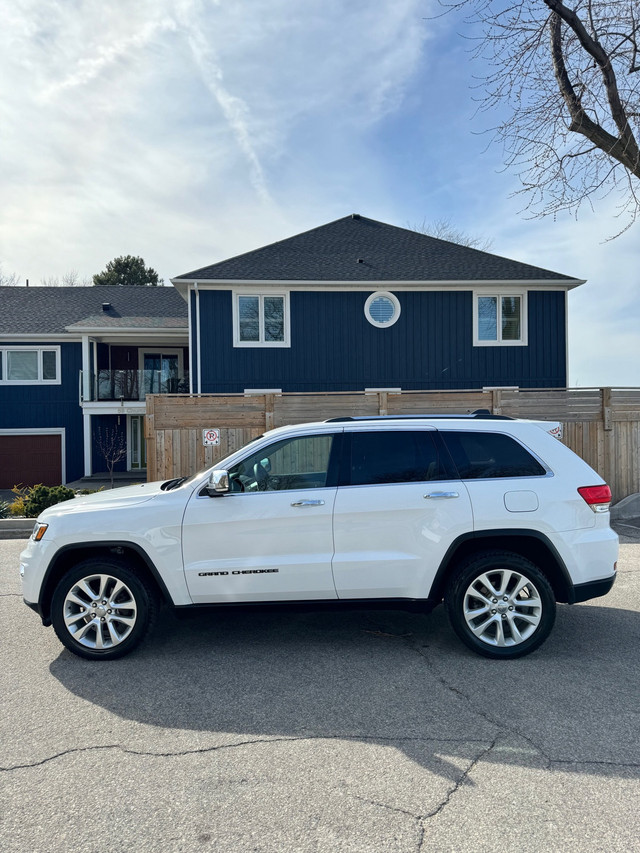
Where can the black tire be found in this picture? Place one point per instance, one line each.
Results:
(108, 625)
(509, 623)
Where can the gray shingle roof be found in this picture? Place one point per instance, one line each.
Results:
(49, 310)
(387, 253)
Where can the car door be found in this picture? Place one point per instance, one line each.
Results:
(398, 508)
(270, 537)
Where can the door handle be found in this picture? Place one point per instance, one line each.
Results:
(442, 495)
(308, 503)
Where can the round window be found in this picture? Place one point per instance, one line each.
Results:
(382, 309)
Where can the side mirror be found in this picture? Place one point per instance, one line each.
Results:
(218, 484)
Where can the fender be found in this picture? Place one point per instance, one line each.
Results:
(46, 590)
(563, 586)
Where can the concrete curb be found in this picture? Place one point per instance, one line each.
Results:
(16, 528)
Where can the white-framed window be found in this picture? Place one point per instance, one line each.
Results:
(261, 320)
(500, 318)
(382, 309)
(30, 365)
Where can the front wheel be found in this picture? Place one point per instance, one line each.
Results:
(500, 604)
(101, 610)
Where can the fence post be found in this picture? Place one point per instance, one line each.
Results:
(150, 438)
(606, 408)
(269, 403)
(496, 401)
(383, 402)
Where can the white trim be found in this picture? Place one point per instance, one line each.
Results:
(385, 294)
(383, 390)
(61, 431)
(39, 339)
(262, 344)
(251, 392)
(458, 284)
(40, 349)
(524, 324)
(130, 442)
(136, 331)
(112, 407)
(86, 430)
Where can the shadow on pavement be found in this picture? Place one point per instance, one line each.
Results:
(384, 676)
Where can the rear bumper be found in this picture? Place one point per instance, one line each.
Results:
(592, 589)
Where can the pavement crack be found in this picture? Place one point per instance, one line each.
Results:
(460, 781)
(209, 749)
(500, 725)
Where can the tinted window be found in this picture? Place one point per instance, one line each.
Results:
(293, 463)
(392, 457)
(490, 454)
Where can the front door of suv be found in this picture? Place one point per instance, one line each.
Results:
(398, 508)
(270, 538)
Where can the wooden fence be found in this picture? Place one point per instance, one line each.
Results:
(600, 424)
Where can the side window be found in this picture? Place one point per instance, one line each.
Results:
(479, 455)
(293, 463)
(391, 457)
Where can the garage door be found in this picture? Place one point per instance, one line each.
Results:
(30, 459)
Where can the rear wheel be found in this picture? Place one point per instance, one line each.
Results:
(500, 604)
(101, 610)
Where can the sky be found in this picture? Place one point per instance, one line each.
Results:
(189, 131)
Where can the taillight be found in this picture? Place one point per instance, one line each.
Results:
(598, 497)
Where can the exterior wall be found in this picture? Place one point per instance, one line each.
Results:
(50, 406)
(335, 348)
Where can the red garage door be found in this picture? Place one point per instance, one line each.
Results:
(30, 459)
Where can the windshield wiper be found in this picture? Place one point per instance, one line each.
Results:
(171, 484)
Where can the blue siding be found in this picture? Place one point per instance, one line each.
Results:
(47, 406)
(335, 348)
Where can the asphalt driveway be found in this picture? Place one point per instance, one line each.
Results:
(350, 731)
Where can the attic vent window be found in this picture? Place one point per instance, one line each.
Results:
(382, 309)
(106, 306)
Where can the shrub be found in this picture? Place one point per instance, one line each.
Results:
(4, 509)
(32, 500)
(41, 497)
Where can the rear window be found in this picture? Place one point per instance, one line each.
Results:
(481, 455)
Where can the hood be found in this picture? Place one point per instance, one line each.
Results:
(116, 498)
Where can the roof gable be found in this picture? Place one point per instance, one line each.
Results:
(355, 249)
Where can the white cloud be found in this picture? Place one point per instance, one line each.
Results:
(165, 127)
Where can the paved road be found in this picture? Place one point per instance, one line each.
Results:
(329, 732)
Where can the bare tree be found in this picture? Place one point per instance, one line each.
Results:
(112, 447)
(8, 279)
(568, 74)
(443, 229)
(68, 279)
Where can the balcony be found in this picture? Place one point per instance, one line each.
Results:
(110, 385)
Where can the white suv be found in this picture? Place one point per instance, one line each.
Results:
(492, 514)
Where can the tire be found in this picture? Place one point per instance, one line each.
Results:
(101, 610)
(500, 604)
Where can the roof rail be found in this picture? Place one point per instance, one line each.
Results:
(478, 414)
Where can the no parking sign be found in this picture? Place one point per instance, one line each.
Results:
(210, 436)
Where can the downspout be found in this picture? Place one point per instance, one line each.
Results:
(198, 349)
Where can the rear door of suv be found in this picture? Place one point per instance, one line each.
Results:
(398, 508)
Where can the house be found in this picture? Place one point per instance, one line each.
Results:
(75, 365)
(353, 305)
(357, 304)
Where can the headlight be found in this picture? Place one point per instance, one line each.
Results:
(38, 531)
